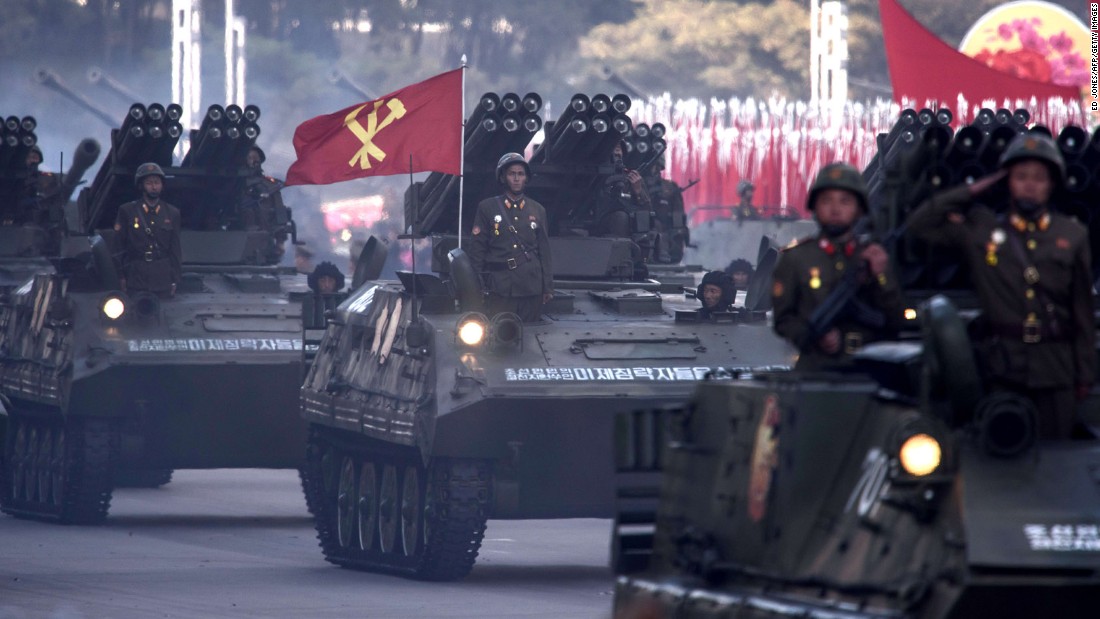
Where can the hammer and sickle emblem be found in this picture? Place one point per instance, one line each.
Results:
(366, 135)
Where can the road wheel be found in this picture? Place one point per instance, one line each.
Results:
(412, 503)
(345, 502)
(387, 509)
(368, 505)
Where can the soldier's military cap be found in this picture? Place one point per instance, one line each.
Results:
(147, 169)
(1036, 146)
(838, 176)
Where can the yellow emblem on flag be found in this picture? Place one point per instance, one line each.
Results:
(366, 135)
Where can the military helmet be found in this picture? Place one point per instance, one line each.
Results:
(839, 176)
(743, 186)
(147, 169)
(1037, 146)
(263, 156)
(508, 159)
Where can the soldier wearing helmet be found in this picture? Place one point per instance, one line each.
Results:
(147, 237)
(808, 272)
(745, 208)
(668, 205)
(1031, 270)
(261, 204)
(510, 247)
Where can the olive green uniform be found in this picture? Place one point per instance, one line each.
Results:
(262, 204)
(1034, 282)
(668, 204)
(147, 243)
(509, 244)
(746, 210)
(803, 279)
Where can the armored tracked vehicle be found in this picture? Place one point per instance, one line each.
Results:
(31, 202)
(900, 491)
(97, 382)
(427, 417)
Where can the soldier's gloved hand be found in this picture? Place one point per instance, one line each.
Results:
(1082, 391)
(830, 342)
(635, 180)
(876, 258)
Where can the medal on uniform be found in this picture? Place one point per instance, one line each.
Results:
(136, 226)
(1031, 275)
(1031, 244)
(815, 278)
(991, 254)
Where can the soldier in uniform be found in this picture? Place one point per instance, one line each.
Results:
(808, 272)
(715, 292)
(1031, 270)
(147, 237)
(618, 205)
(509, 244)
(671, 221)
(40, 195)
(325, 279)
(262, 205)
(745, 208)
(740, 270)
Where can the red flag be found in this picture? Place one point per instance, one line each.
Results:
(377, 138)
(924, 68)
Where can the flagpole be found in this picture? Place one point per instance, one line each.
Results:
(462, 152)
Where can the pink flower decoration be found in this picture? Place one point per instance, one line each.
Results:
(1005, 31)
(1074, 61)
(1031, 40)
(1061, 42)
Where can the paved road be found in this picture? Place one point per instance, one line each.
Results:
(240, 544)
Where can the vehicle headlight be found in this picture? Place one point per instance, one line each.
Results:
(472, 328)
(920, 455)
(113, 307)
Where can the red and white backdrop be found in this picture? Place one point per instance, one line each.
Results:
(779, 144)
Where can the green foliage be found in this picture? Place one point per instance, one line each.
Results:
(694, 47)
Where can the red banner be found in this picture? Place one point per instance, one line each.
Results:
(377, 138)
(924, 68)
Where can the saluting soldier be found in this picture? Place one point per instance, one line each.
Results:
(1031, 269)
(808, 272)
(147, 237)
(509, 244)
